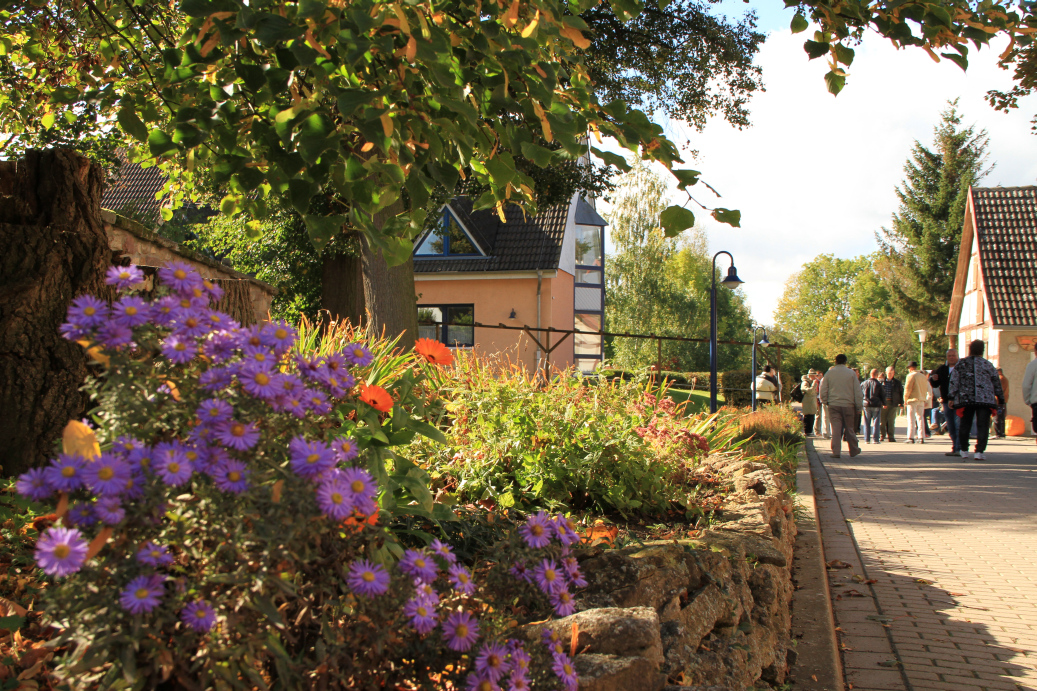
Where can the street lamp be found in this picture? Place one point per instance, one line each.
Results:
(731, 281)
(763, 344)
(922, 333)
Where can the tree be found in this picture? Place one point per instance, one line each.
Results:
(922, 243)
(658, 284)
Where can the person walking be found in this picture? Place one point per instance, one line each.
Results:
(941, 381)
(822, 423)
(929, 403)
(766, 386)
(1030, 391)
(874, 394)
(975, 390)
(1002, 410)
(841, 390)
(916, 391)
(809, 388)
(894, 399)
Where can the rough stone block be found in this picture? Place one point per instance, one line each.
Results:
(631, 632)
(613, 673)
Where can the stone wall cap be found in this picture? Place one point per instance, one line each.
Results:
(140, 231)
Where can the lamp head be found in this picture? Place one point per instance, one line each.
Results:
(922, 333)
(732, 281)
(763, 341)
(512, 315)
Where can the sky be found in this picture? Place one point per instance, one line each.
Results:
(816, 174)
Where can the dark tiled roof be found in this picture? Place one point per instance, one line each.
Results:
(1006, 232)
(131, 192)
(586, 215)
(520, 244)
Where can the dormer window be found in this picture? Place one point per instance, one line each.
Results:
(447, 239)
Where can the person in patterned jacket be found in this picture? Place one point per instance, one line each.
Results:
(975, 389)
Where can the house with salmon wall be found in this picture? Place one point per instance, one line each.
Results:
(547, 270)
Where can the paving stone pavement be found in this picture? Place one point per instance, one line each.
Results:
(933, 564)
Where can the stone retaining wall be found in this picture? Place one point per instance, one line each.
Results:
(708, 614)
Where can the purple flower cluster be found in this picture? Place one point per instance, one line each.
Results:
(498, 663)
(562, 663)
(552, 578)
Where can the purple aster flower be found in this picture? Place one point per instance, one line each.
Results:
(363, 489)
(563, 529)
(520, 571)
(61, 551)
(171, 464)
(106, 475)
(492, 661)
(333, 364)
(334, 499)
(114, 336)
(278, 335)
(122, 277)
(219, 347)
(517, 682)
(81, 514)
(179, 349)
(563, 667)
(290, 384)
(425, 590)
(460, 631)
(87, 311)
(259, 380)
(422, 614)
(231, 476)
(443, 550)
(309, 368)
(125, 445)
(519, 659)
(218, 320)
(212, 289)
(75, 332)
(252, 336)
(163, 310)
(367, 579)
(131, 311)
(191, 323)
(537, 531)
(34, 485)
(236, 435)
(572, 572)
(141, 459)
(358, 354)
(214, 410)
(317, 402)
(563, 603)
(477, 681)
(311, 458)
(290, 404)
(179, 277)
(548, 577)
(418, 564)
(336, 384)
(258, 355)
(134, 488)
(109, 510)
(461, 579)
(65, 473)
(346, 448)
(199, 615)
(215, 379)
(142, 594)
(154, 554)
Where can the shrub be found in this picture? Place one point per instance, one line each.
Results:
(736, 387)
(607, 446)
(221, 523)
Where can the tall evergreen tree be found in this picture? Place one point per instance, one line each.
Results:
(922, 244)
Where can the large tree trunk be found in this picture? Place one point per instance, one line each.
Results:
(342, 288)
(54, 248)
(392, 304)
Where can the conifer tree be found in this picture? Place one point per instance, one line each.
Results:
(922, 243)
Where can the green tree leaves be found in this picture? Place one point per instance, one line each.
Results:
(675, 220)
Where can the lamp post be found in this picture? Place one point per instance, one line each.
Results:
(731, 281)
(763, 344)
(922, 333)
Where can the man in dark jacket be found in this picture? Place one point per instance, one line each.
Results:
(874, 393)
(941, 381)
(894, 391)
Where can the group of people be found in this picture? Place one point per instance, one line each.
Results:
(962, 391)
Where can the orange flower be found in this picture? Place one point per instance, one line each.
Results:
(433, 351)
(376, 397)
(356, 522)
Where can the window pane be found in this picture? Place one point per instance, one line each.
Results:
(587, 344)
(588, 276)
(587, 366)
(458, 333)
(429, 315)
(588, 245)
(588, 322)
(432, 244)
(429, 331)
(459, 242)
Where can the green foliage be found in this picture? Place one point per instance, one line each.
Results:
(736, 386)
(606, 447)
(660, 285)
(923, 241)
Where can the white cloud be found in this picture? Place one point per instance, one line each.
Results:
(816, 174)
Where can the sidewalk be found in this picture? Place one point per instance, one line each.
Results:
(933, 564)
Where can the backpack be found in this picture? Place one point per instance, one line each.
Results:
(797, 393)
